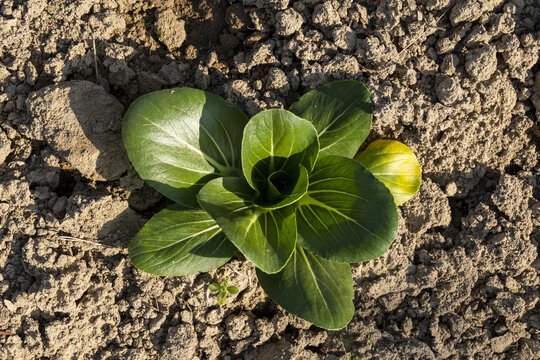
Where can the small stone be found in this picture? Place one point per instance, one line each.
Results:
(508, 305)
(181, 342)
(5, 146)
(466, 10)
(481, 63)
(500, 343)
(170, 29)
(202, 77)
(344, 38)
(448, 90)
(261, 55)
(288, 22)
(236, 18)
(171, 73)
(278, 4)
(239, 326)
(450, 189)
(325, 16)
(149, 82)
(10, 306)
(277, 80)
(59, 207)
(449, 64)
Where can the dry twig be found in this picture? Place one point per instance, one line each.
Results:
(74, 239)
(242, 274)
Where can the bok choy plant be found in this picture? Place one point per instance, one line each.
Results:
(283, 188)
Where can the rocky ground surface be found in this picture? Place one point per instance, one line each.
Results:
(456, 80)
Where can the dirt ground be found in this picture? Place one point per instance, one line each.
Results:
(453, 79)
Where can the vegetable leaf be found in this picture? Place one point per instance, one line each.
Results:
(222, 297)
(313, 288)
(179, 139)
(232, 290)
(341, 112)
(265, 237)
(347, 214)
(394, 164)
(214, 287)
(298, 185)
(276, 141)
(178, 242)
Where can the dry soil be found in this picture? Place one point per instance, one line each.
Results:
(453, 79)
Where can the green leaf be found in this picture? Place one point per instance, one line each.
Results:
(313, 288)
(214, 287)
(394, 164)
(341, 112)
(222, 297)
(177, 242)
(347, 214)
(277, 140)
(232, 290)
(179, 139)
(265, 237)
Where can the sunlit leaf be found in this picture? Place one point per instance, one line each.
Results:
(179, 139)
(313, 288)
(347, 214)
(178, 242)
(341, 112)
(265, 237)
(394, 164)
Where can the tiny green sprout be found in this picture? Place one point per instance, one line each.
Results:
(286, 188)
(222, 289)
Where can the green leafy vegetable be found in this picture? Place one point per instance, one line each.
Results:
(282, 188)
(222, 289)
(277, 147)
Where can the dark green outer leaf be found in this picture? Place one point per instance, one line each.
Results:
(276, 140)
(179, 139)
(347, 214)
(395, 165)
(341, 112)
(313, 288)
(265, 237)
(177, 242)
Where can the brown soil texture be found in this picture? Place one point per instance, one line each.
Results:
(453, 79)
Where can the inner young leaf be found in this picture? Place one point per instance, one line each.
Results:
(276, 184)
(283, 187)
(275, 143)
